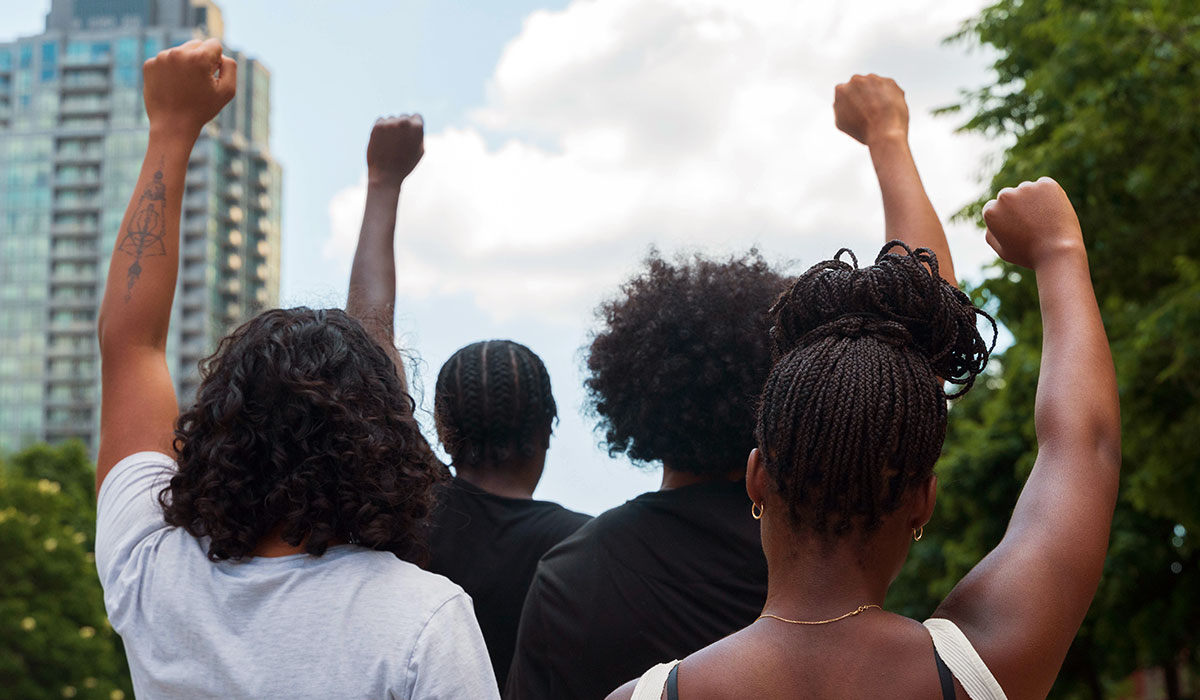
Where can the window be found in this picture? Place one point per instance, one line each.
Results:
(151, 48)
(26, 55)
(49, 61)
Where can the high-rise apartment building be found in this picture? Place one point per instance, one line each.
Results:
(73, 131)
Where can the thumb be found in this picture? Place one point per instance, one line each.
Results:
(995, 244)
(227, 80)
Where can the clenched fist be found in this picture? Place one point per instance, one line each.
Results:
(1032, 222)
(869, 107)
(396, 145)
(186, 86)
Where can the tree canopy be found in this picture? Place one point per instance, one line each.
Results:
(55, 640)
(1103, 96)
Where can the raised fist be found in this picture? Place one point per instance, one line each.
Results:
(869, 107)
(396, 144)
(186, 86)
(1031, 222)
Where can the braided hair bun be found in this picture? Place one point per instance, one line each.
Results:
(853, 413)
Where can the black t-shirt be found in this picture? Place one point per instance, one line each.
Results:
(490, 545)
(655, 579)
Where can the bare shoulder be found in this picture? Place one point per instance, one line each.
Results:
(625, 692)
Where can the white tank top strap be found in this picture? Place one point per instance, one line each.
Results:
(963, 661)
(653, 682)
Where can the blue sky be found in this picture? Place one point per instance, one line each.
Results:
(564, 139)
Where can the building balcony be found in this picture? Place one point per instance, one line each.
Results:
(70, 156)
(75, 61)
(74, 82)
(70, 350)
(72, 303)
(80, 400)
(82, 125)
(74, 230)
(77, 181)
(75, 253)
(84, 108)
(77, 205)
(72, 277)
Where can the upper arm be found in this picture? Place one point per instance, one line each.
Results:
(138, 408)
(450, 659)
(1022, 605)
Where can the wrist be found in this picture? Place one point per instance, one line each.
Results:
(886, 138)
(1069, 251)
(384, 183)
(165, 132)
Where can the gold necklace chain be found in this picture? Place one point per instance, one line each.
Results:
(852, 613)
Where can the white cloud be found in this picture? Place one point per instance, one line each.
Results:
(690, 124)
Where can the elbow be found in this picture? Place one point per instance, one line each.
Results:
(101, 334)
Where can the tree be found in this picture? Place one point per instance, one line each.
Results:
(1103, 96)
(55, 640)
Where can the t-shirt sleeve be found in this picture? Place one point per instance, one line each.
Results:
(127, 512)
(450, 660)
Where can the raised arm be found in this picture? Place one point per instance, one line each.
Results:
(396, 145)
(184, 88)
(872, 110)
(1023, 604)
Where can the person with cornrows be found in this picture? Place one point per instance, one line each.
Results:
(493, 410)
(850, 424)
(674, 375)
(494, 413)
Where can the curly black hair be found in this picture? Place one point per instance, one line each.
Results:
(680, 359)
(493, 404)
(302, 423)
(853, 414)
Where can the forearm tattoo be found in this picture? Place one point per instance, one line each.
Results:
(147, 226)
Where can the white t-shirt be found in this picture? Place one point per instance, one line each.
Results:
(354, 623)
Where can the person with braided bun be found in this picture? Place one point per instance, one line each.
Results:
(494, 412)
(675, 372)
(262, 543)
(850, 424)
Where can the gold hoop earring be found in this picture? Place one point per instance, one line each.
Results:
(756, 511)
(918, 533)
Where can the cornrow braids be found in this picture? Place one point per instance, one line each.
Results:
(493, 404)
(853, 413)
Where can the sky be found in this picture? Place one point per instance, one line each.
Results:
(564, 139)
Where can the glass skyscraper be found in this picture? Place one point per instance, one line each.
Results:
(73, 131)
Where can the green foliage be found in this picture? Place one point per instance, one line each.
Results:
(55, 640)
(1103, 96)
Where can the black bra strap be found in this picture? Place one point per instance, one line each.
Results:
(673, 683)
(944, 676)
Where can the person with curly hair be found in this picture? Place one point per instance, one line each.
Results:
(262, 543)
(851, 422)
(674, 375)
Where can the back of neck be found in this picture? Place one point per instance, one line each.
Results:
(676, 478)
(509, 483)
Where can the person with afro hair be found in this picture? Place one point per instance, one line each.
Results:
(675, 371)
(264, 542)
(851, 423)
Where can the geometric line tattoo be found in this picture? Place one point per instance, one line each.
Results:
(147, 226)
